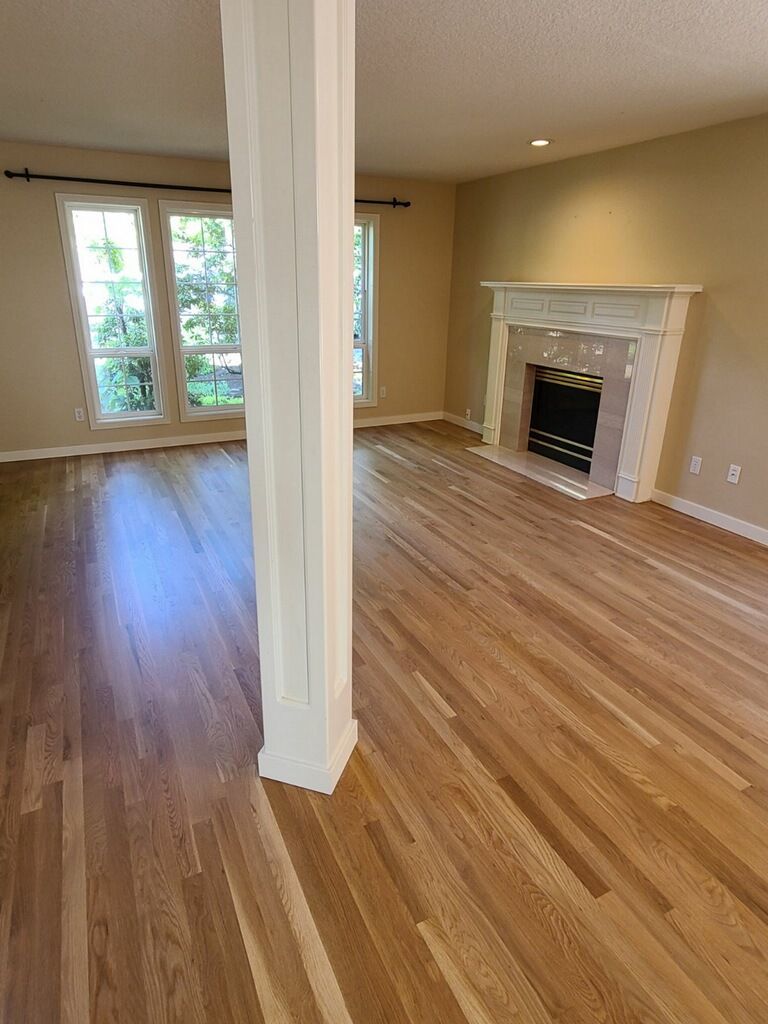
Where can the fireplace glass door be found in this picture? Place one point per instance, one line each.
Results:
(564, 416)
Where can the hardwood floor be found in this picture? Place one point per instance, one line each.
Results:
(557, 812)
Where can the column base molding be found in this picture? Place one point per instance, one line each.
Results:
(320, 778)
(628, 488)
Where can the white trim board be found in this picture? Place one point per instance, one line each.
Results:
(710, 515)
(451, 417)
(102, 447)
(419, 417)
(408, 417)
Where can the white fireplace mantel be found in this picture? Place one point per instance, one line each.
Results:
(652, 315)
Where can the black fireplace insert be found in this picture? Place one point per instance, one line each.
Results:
(564, 416)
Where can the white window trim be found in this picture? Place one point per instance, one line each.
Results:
(186, 412)
(98, 421)
(371, 317)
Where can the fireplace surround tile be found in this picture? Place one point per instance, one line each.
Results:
(601, 355)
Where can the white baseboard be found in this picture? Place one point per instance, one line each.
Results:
(102, 447)
(409, 417)
(419, 417)
(320, 778)
(451, 417)
(710, 515)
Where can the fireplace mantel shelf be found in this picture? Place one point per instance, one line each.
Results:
(652, 316)
(686, 289)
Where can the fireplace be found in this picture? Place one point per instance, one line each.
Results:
(564, 411)
(626, 336)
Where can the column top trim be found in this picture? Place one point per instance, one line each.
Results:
(554, 286)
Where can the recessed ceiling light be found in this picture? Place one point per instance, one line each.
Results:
(540, 142)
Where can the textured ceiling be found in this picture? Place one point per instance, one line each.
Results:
(449, 89)
(144, 76)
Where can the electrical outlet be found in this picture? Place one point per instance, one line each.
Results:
(734, 472)
(383, 391)
(80, 415)
(468, 414)
(695, 466)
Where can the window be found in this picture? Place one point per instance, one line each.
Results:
(364, 311)
(202, 283)
(105, 253)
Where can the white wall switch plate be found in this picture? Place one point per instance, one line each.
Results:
(383, 391)
(734, 472)
(695, 466)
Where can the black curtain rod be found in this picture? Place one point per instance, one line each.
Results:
(394, 201)
(28, 176)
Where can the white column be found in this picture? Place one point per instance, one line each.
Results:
(289, 72)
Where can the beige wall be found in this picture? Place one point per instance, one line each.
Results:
(415, 250)
(690, 208)
(40, 378)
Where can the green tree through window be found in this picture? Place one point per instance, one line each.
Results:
(124, 383)
(205, 281)
(108, 283)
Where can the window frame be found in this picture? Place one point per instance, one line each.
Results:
(369, 398)
(188, 413)
(66, 203)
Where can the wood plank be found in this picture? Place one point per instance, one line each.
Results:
(557, 812)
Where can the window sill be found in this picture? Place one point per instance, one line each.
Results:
(128, 421)
(213, 414)
(365, 403)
